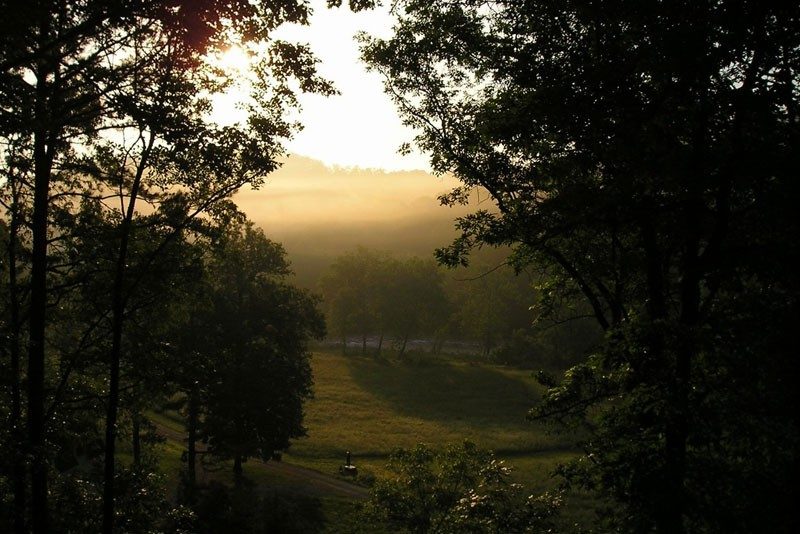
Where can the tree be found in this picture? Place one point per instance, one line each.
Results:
(254, 335)
(640, 154)
(414, 299)
(354, 290)
(370, 293)
(490, 304)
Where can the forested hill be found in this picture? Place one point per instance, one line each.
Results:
(312, 248)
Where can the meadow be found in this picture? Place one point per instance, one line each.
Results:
(371, 407)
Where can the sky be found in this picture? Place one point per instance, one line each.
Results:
(359, 127)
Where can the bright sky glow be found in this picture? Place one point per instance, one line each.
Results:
(235, 59)
(359, 127)
(226, 106)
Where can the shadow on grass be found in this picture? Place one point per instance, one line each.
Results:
(446, 391)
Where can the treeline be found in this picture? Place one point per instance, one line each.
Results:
(128, 277)
(487, 309)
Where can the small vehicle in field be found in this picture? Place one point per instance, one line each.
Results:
(348, 469)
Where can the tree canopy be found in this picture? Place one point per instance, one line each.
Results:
(372, 294)
(253, 334)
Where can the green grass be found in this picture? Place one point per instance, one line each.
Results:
(169, 462)
(370, 407)
(168, 418)
(342, 517)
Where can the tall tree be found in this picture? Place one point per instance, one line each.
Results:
(353, 288)
(641, 153)
(255, 334)
(369, 293)
(490, 303)
(414, 300)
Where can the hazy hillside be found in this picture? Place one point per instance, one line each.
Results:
(318, 212)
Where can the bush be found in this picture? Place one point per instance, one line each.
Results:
(141, 502)
(458, 489)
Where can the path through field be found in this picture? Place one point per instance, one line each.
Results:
(283, 477)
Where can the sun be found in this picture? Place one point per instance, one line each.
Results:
(235, 65)
(234, 59)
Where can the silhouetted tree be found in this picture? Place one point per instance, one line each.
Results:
(254, 339)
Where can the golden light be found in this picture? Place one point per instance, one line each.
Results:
(234, 60)
(357, 128)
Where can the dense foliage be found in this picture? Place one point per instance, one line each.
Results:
(368, 294)
(243, 349)
(458, 489)
(643, 154)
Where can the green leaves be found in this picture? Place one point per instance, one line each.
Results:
(355, 5)
(368, 293)
(458, 489)
(244, 347)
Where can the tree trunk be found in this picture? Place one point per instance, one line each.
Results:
(487, 347)
(668, 501)
(363, 344)
(43, 163)
(191, 464)
(677, 427)
(380, 345)
(36, 357)
(111, 416)
(403, 346)
(118, 311)
(15, 416)
(237, 471)
(137, 441)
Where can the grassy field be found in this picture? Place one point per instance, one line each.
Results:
(370, 407)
